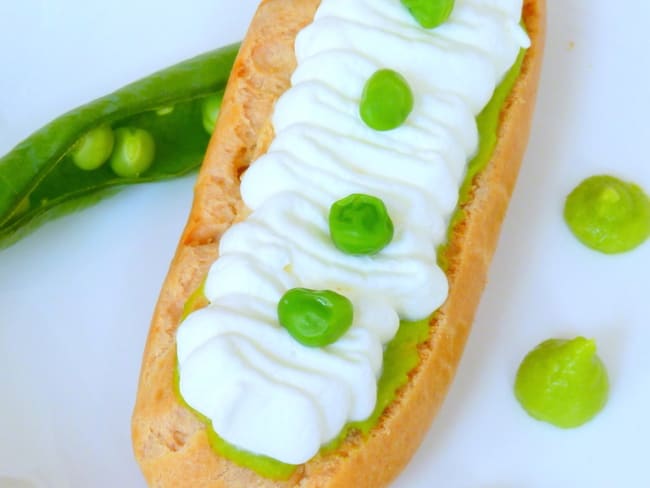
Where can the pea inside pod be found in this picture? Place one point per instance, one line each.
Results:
(63, 165)
(94, 148)
(134, 152)
(211, 107)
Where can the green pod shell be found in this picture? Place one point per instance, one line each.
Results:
(38, 178)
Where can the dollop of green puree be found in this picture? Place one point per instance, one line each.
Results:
(608, 214)
(401, 354)
(562, 382)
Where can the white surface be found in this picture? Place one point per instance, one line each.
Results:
(76, 296)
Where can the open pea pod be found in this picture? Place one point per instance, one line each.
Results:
(41, 178)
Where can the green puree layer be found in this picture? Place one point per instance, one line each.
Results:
(488, 125)
(401, 354)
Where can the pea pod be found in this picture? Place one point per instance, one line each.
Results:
(39, 178)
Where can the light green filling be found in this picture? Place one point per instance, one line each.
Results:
(488, 125)
(401, 354)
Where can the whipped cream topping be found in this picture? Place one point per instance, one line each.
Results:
(263, 391)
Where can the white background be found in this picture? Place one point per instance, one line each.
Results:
(77, 295)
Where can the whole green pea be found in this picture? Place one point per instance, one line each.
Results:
(210, 109)
(429, 13)
(315, 318)
(360, 224)
(94, 148)
(386, 101)
(134, 152)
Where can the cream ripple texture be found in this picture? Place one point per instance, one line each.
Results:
(263, 391)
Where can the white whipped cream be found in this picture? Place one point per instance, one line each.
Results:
(263, 391)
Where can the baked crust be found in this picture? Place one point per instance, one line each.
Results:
(170, 444)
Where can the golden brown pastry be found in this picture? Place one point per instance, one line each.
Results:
(170, 443)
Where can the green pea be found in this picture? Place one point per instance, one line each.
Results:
(386, 101)
(94, 148)
(134, 152)
(429, 13)
(563, 382)
(315, 318)
(360, 224)
(210, 110)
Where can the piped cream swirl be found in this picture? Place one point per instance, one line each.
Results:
(263, 391)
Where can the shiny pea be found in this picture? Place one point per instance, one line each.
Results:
(94, 148)
(386, 101)
(429, 13)
(360, 224)
(315, 318)
(210, 110)
(134, 152)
